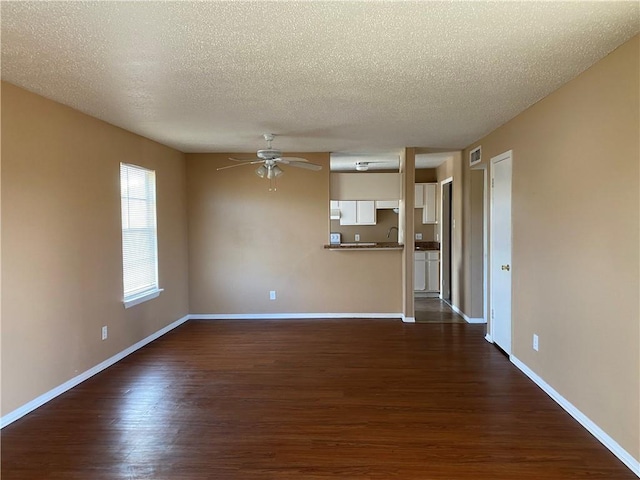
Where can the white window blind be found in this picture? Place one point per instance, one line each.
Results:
(139, 234)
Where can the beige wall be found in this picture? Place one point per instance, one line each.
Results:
(474, 245)
(576, 242)
(245, 241)
(61, 243)
(365, 186)
(408, 171)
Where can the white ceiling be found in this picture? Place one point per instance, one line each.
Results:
(325, 76)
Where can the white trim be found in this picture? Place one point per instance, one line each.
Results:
(144, 297)
(287, 316)
(615, 448)
(69, 384)
(475, 319)
(488, 338)
(408, 319)
(440, 225)
(463, 315)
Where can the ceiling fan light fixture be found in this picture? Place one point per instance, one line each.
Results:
(362, 167)
(274, 172)
(261, 171)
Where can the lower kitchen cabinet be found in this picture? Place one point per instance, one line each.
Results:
(419, 271)
(426, 271)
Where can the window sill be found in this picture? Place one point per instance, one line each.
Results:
(132, 301)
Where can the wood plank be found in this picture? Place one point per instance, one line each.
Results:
(307, 399)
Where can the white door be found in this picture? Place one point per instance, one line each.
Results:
(500, 231)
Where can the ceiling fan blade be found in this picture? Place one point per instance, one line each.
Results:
(239, 165)
(287, 160)
(305, 164)
(244, 159)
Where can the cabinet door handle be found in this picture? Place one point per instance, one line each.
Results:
(506, 267)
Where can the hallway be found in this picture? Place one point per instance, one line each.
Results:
(435, 310)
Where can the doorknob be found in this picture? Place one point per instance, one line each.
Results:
(506, 267)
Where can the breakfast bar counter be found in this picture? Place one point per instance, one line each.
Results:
(355, 246)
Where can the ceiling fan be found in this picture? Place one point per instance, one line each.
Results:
(269, 159)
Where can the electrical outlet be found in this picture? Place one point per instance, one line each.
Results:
(105, 332)
(535, 342)
(357, 237)
(272, 295)
(418, 236)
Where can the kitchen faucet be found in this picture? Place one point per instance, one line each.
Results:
(389, 232)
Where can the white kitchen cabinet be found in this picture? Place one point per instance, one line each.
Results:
(419, 271)
(419, 195)
(334, 208)
(380, 204)
(426, 271)
(357, 212)
(430, 207)
(432, 271)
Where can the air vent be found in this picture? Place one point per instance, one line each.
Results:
(475, 155)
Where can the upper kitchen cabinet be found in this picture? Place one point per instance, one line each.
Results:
(357, 212)
(419, 195)
(430, 209)
(427, 199)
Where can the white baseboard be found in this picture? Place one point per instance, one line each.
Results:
(408, 319)
(624, 456)
(488, 338)
(463, 315)
(287, 316)
(474, 320)
(69, 384)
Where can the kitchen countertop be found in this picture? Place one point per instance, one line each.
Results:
(366, 246)
(427, 245)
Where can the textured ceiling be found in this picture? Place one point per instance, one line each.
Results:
(325, 76)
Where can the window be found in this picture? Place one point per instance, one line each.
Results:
(139, 234)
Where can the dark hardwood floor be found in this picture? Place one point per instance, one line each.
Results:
(303, 400)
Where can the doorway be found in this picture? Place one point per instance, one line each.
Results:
(446, 235)
(500, 251)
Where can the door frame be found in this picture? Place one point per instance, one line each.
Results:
(442, 184)
(490, 325)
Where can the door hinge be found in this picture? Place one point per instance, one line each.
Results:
(493, 183)
(492, 315)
